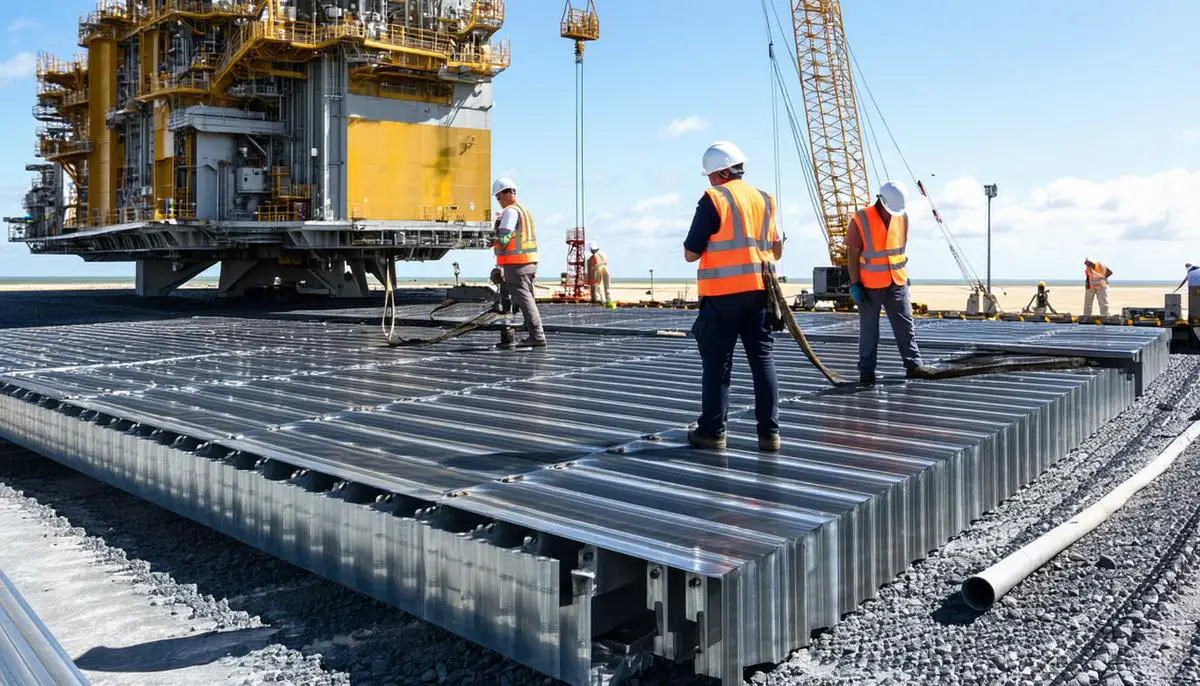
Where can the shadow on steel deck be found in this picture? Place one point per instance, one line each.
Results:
(543, 503)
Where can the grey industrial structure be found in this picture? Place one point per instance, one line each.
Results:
(307, 141)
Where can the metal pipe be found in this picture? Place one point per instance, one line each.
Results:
(29, 653)
(985, 588)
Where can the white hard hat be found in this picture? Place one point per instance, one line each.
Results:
(503, 184)
(894, 196)
(721, 156)
(593, 247)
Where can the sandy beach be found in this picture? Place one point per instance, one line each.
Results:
(1012, 298)
(941, 296)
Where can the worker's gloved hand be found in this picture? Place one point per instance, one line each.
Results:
(858, 294)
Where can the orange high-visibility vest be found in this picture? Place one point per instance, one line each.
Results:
(733, 260)
(1096, 275)
(882, 260)
(522, 247)
(597, 265)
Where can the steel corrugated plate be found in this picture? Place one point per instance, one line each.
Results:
(585, 442)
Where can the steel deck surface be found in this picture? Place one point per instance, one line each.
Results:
(1032, 337)
(737, 556)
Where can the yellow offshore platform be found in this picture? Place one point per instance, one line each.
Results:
(309, 141)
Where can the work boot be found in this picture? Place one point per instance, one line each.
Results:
(702, 442)
(769, 443)
(920, 372)
(866, 378)
(532, 342)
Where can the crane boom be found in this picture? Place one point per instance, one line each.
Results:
(838, 157)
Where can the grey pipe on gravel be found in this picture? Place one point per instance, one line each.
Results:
(29, 653)
(985, 588)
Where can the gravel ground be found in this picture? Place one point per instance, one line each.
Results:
(1119, 608)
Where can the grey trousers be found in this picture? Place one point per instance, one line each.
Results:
(600, 288)
(518, 285)
(895, 301)
(1095, 294)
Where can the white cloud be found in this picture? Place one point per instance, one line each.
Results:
(678, 127)
(19, 66)
(658, 201)
(22, 24)
(1136, 223)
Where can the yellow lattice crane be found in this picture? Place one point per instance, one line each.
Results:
(838, 157)
(839, 182)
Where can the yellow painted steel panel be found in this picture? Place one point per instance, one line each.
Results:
(164, 158)
(419, 172)
(107, 151)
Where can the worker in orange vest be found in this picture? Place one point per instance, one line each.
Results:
(598, 278)
(876, 241)
(1095, 282)
(517, 256)
(733, 236)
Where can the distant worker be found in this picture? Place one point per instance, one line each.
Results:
(1193, 283)
(1042, 300)
(517, 257)
(598, 277)
(733, 236)
(1192, 279)
(1095, 281)
(876, 241)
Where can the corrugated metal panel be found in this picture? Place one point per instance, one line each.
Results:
(580, 448)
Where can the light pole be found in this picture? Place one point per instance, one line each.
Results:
(990, 191)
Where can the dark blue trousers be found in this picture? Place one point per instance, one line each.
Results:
(723, 319)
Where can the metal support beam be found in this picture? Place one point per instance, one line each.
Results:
(160, 277)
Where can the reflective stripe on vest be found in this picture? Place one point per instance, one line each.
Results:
(732, 262)
(736, 270)
(882, 261)
(522, 249)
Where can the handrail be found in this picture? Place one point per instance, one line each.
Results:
(156, 83)
(311, 36)
(484, 57)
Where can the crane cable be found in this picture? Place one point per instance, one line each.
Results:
(580, 179)
(775, 144)
(968, 272)
(799, 140)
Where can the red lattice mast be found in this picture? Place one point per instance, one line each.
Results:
(576, 265)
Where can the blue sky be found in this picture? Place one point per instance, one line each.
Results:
(1076, 109)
